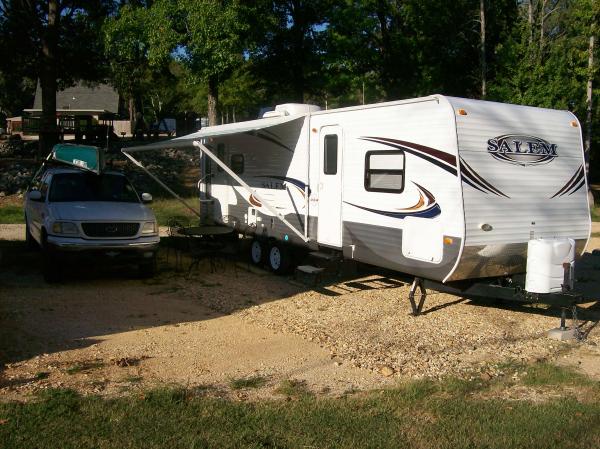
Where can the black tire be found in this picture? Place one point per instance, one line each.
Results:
(147, 269)
(279, 258)
(29, 240)
(258, 252)
(51, 268)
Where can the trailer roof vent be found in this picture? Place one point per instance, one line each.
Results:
(282, 110)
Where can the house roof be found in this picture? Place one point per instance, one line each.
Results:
(100, 97)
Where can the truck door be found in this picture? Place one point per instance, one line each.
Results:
(329, 227)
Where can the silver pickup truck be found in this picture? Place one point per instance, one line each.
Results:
(75, 213)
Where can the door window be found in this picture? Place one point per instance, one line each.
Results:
(330, 154)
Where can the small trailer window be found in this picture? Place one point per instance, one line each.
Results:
(384, 171)
(330, 154)
(237, 163)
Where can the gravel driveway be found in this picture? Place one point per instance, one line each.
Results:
(106, 332)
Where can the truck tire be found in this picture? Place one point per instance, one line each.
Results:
(279, 258)
(51, 268)
(29, 240)
(258, 252)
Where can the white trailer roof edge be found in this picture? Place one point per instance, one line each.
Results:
(215, 131)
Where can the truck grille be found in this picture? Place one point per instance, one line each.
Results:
(110, 229)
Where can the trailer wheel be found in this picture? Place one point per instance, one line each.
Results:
(257, 252)
(280, 258)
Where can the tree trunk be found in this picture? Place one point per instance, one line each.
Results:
(131, 114)
(483, 59)
(213, 98)
(542, 35)
(48, 129)
(588, 115)
(530, 20)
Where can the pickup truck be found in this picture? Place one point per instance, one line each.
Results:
(75, 213)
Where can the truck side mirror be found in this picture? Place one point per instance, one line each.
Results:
(35, 195)
(146, 198)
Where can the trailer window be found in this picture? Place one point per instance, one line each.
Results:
(237, 163)
(384, 171)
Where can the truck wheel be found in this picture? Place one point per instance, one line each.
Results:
(51, 268)
(280, 258)
(257, 252)
(29, 240)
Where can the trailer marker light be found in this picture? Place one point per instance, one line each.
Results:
(574, 123)
(448, 241)
(462, 112)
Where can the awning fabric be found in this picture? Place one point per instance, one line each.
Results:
(219, 130)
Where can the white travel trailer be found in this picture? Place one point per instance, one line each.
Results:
(438, 187)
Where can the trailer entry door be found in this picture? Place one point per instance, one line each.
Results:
(330, 186)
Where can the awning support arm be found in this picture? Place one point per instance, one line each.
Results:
(264, 202)
(162, 184)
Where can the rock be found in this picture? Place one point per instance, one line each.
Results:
(386, 370)
(485, 376)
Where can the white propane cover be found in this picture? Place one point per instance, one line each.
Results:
(545, 259)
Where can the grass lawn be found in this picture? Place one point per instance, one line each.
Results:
(164, 208)
(418, 414)
(11, 214)
(595, 213)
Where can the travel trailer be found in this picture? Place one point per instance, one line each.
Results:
(438, 187)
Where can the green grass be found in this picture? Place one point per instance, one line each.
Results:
(11, 215)
(595, 213)
(165, 208)
(419, 414)
(246, 383)
(82, 367)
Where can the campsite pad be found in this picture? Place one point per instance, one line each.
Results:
(118, 334)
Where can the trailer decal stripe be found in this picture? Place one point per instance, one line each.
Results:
(581, 184)
(431, 212)
(467, 172)
(296, 182)
(432, 209)
(571, 183)
(443, 160)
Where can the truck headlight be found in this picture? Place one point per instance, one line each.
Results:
(149, 228)
(64, 227)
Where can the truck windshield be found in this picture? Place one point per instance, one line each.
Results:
(91, 187)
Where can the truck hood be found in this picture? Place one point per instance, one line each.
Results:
(101, 211)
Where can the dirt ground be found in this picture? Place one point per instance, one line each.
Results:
(104, 331)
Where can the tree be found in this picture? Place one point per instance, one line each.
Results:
(138, 42)
(56, 42)
(212, 40)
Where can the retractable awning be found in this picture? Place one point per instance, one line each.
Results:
(196, 140)
(215, 131)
